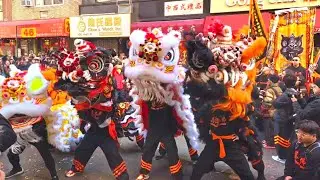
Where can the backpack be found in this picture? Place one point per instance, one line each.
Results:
(269, 111)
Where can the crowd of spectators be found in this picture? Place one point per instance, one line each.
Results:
(288, 118)
(24, 62)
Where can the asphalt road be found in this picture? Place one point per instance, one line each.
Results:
(98, 169)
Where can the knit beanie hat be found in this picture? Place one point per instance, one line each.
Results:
(274, 78)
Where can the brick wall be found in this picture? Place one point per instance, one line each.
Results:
(69, 8)
(7, 10)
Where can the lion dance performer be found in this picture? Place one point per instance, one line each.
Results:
(227, 71)
(25, 100)
(161, 107)
(63, 122)
(86, 75)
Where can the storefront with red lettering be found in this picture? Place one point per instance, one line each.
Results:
(34, 36)
(236, 12)
(186, 16)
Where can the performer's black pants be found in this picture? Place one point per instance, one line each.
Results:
(140, 141)
(7, 135)
(254, 152)
(282, 139)
(192, 152)
(42, 146)
(109, 146)
(234, 158)
(150, 147)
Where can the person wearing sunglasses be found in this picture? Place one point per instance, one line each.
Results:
(303, 161)
(298, 71)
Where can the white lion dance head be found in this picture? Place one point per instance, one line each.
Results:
(154, 56)
(153, 68)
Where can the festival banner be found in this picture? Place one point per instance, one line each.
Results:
(256, 23)
(293, 31)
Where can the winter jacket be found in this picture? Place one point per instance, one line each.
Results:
(311, 111)
(283, 105)
(300, 72)
(303, 162)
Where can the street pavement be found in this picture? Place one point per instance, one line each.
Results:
(98, 168)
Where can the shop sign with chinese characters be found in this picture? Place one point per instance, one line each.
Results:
(186, 7)
(117, 25)
(224, 6)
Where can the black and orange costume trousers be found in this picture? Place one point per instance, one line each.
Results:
(227, 151)
(109, 146)
(253, 149)
(42, 146)
(192, 152)
(283, 134)
(151, 144)
(140, 141)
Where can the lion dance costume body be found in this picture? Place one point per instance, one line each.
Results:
(86, 75)
(222, 75)
(161, 108)
(25, 101)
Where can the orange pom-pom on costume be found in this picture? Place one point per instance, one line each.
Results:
(57, 96)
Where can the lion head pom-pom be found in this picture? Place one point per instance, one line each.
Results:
(254, 50)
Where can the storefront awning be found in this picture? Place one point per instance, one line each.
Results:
(35, 28)
(166, 25)
(236, 21)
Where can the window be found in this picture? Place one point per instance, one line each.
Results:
(48, 2)
(43, 14)
(26, 2)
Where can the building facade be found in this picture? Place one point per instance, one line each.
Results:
(44, 9)
(33, 26)
(114, 36)
(5, 10)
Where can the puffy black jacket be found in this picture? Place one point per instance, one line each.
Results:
(311, 111)
(283, 106)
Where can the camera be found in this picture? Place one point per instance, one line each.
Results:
(296, 95)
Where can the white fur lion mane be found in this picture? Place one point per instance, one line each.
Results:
(153, 62)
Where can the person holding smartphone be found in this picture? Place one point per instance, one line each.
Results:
(283, 119)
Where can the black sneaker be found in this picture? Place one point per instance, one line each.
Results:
(14, 172)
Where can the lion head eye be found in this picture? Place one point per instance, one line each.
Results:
(169, 56)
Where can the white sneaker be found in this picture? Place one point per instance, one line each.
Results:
(143, 177)
(276, 158)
